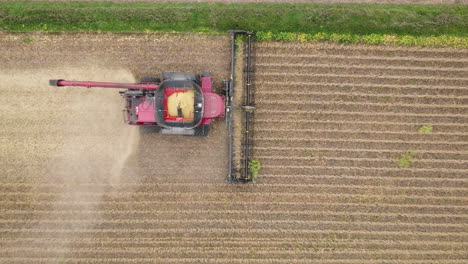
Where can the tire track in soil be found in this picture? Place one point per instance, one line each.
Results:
(452, 63)
(371, 89)
(355, 206)
(315, 68)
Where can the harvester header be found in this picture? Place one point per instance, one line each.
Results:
(240, 107)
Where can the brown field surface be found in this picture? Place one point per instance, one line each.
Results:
(79, 186)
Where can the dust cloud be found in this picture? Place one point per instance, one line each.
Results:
(82, 147)
(126, 148)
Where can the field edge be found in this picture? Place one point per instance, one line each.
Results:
(402, 25)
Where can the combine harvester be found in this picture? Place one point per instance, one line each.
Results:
(185, 104)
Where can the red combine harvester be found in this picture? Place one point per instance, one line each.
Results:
(180, 104)
(185, 104)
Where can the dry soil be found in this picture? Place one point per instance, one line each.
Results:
(79, 186)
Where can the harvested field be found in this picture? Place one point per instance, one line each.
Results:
(78, 186)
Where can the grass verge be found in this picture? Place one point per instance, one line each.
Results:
(441, 25)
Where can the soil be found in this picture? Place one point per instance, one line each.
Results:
(78, 185)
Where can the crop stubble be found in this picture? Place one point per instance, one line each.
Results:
(77, 185)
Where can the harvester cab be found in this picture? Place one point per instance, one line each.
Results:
(185, 104)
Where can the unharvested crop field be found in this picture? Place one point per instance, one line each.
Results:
(77, 185)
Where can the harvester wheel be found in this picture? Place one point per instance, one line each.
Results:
(201, 131)
(150, 80)
(149, 129)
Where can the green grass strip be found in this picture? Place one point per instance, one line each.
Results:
(426, 25)
(405, 40)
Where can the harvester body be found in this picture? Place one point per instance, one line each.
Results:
(181, 104)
